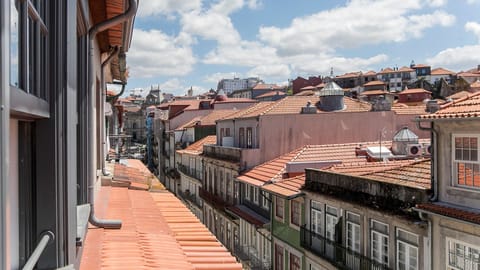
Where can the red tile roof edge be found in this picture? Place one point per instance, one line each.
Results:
(451, 212)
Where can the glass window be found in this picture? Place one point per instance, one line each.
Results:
(241, 137)
(353, 232)
(279, 207)
(14, 29)
(249, 138)
(462, 256)
(278, 257)
(265, 197)
(294, 262)
(466, 164)
(295, 213)
(379, 241)
(255, 194)
(247, 192)
(316, 216)
(407, 250)
(330, 222)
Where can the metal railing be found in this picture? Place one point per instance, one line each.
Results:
(248, 255)
(212, 199)
(46, 238)
(336, 254)
(193, 198)
(193, 173)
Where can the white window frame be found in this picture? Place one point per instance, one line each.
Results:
(409, 246)
(381, 236)
(265, 198)
(472, 265)
(330, 222)
(356, 235)
(456, 161)
(316, 224)
(255, 195)
(247, 192)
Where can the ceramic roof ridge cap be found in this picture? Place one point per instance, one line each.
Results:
(453, 102)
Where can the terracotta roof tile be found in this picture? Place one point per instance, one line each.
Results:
(374, 92)
(451, 211)
(158, 232)
(411, 173)
(441, 71)
(272, 93)
(467, 107)
(413, 109)
(414, 91)
(286, 187)
(196, 148)
(475, 84)
(262, 86)
(374, 83)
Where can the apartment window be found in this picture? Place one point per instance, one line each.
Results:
(241, 137)
(331, 219)
(229, 188)
(249, 138)
(379, 241)
(255, 194)
(353, 232)
(407, 250)
(279, 207)
(222, 134)
(247, 192)
(294, 262)
(29, 47)
(316, 217)
(462, 256)
(278, 257)
(465, 159)
(295, 213)
(227, 132)
(265, 200)
(222, 184)
(266, 249)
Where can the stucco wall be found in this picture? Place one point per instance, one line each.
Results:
(448, 192)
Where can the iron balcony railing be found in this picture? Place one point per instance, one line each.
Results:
(46, 239)
(193, 198)
(214, 200)
(248, 255)
(336, 254)
(196, 174)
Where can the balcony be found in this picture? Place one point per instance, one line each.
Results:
(246, 157)
(248, 255)
(191, 172)
(336, 254)
(192, 198)
(214, 200)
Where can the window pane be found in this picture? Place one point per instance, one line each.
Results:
(14, 43)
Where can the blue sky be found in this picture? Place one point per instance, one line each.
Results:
(178, 44)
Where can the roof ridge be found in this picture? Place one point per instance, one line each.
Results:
(459, 100)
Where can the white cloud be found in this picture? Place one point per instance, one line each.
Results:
(436, 3)
(227, 6)
(255, 4)
(473, 1)
(166, 7)
(154, 53)
(244, 53)
(178, 87)
(353, 25)
(461, 57)
(278, 71)
(210, 26)
(216, 77)
(474, 28)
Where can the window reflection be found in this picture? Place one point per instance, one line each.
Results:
(14, 42)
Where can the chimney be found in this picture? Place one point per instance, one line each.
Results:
(309, 109)
(360, 151)
(381, 104)
(432, 106)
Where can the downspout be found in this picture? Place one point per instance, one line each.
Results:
(103, 87)
(434, 163)
(430, 240)
(91, 173)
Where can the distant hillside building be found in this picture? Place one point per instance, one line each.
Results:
(300, 83)
(230, 85)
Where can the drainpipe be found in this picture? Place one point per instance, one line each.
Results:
(423, 217)
(91, 173)
(114, 52)
(434, 159)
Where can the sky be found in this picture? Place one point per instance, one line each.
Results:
(178, 44)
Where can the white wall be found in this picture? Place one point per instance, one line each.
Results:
(12, 200)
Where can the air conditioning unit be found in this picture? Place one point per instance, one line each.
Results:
(427, 149)
(414, 149)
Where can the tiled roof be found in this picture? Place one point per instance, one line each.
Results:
(272, 93)
(466, 107)
(420, 66)
(305, 93)
(192, 104)
(190, 123)
(369, 73)
(196, 148)
(158, 232)
(286, 187)
(402, 69)
(468, 74)
(374, 92)
(294, 104)
(235, 100)
(252, 111)
(414, 91)
(374, 83)
(308, 88)
(459, 95)
(386, 70)
(413, 108)
(451, 211)
(273, 170)
(475, 84)
(441, 71)
(349, 75)
(405, 69)
(262, 86)
(411, 173)
(320, 85)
